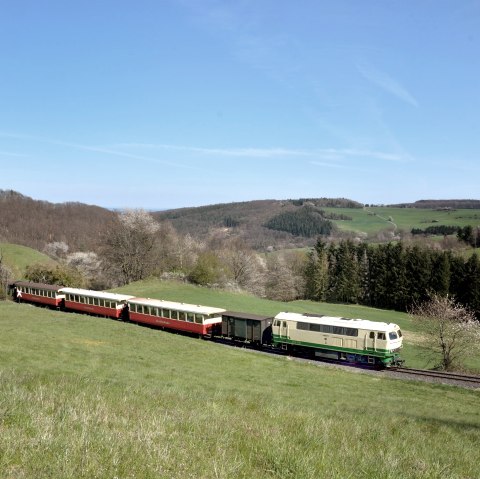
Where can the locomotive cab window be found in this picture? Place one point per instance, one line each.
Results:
(372, 335)
(381, 336)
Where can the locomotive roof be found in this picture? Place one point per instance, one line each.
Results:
(337, 321)
(188, 308)
(97, 294)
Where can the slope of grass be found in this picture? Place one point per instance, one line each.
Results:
(84, 397)
(188, 293)
(18, 257)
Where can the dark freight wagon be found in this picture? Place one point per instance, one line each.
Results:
(249, 328)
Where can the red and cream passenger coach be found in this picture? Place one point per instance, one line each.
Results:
(191, 318)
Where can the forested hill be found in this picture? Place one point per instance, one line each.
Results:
(34, 223)
(441, 204)
(263, 222)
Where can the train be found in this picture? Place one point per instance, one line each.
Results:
(354, 341)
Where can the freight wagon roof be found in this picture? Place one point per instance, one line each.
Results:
(28, 284)
(337, 321)
(188, 308)
(96, 294)
(256, 317)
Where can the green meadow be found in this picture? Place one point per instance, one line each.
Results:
(18, 257)
(372, 220)
(87, 397)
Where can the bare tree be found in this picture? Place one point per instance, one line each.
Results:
(5, 278)
(280, 284)
(244, 266)
(129, 249)
(451, 332)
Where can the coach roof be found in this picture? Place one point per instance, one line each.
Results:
(187, 308)
(96, 294)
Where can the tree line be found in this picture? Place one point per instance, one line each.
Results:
(134, 246)
(390, 276)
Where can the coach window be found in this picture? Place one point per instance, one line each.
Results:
(199, 318)
(165, 313)
(381, 336)
(190, 317)
(173, 314)
(372, 335)
(181, 316)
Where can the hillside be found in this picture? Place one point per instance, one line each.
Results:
(17, 258)
(263, 223)
(35, 223)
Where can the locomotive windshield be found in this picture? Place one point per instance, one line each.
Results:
(393, 335)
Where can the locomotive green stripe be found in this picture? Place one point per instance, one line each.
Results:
(380, 353)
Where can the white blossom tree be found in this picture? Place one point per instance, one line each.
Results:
(130, 251)
(451, 331)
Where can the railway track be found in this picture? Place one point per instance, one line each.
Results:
(441, 376)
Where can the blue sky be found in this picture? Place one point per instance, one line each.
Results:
(170, 103)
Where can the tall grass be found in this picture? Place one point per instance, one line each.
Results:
(84, 397)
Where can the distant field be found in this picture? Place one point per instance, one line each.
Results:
(18, 257)
(375, 219)
(84, 397)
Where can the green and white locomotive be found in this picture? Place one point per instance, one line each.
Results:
(341, 339)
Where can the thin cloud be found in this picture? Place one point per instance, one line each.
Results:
(96, 149)
(274, 152)
(386, 82)
(236, 152)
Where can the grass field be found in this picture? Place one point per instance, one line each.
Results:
(375, 219)
(84, 397)
(18, 257)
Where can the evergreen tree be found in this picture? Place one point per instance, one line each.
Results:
(418, 273)
(363, 274)
(345, 287)
(316, 273)
(440, 276)
(471, 285)
(457, 276)
(377, 274)
(396, 281)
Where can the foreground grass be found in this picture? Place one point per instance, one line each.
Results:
(85, 397)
